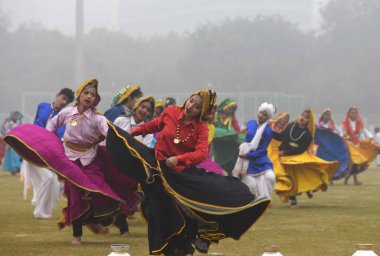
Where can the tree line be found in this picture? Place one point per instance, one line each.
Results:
(336, 67)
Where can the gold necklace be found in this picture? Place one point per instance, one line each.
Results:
(74, 120)
(178, 139)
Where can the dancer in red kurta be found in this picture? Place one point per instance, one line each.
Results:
(183, 137)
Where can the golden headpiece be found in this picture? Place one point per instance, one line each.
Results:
(92, 82)
(208, 101)
(150, 99)
(123, 94)
(159, 103)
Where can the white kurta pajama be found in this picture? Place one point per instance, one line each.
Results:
(46, 189)
(257, 170)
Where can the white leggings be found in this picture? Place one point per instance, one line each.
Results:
(262, 184)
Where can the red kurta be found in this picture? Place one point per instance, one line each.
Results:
(191, 152)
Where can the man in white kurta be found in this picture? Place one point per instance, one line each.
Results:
(46, 187)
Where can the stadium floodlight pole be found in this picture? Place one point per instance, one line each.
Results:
(79, 56)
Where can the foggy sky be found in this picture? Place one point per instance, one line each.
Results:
(146, 17)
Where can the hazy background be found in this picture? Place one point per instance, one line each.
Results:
(295, 53)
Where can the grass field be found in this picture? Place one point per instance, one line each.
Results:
(329, 224)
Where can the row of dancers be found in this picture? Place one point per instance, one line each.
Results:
(104, 182)
(165, 164)
(305, 155)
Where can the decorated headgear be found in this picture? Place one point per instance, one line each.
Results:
(150, 99)
(159, 103)
(208, 101)
(90, 82)
(123, 94)
(359, 125)
(326, 110)
(269, 108)
(331, 122)
(358, 117)
(277, 120)
(228, 103)
(359, 121)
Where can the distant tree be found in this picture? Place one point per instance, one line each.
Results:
(350, 52)
(336, 68)
(263, 54)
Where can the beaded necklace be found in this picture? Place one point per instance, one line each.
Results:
(291, 131)
(178, 138)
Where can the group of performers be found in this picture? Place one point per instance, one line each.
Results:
(109, 166)
(167, 158)
(305, 156)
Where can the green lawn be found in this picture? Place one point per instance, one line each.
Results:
(329, 224)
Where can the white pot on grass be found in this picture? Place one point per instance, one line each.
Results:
(364, 250)
(271, 250)
(119, 250)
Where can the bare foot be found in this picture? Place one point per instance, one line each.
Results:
(76, 240)
(126, 234)
(98, 228)
(103, 230)
(294, 206)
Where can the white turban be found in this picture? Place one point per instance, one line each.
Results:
(269, 108)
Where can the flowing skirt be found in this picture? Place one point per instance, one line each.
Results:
(97, 190)
(365, 152)
(362, 155)
(331, 147)
(179, 206)
(302, 173)
(226, 148)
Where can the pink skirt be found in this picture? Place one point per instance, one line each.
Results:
(99, 188)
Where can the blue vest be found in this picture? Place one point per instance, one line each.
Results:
(258, 159)
(114, 112)
(44, 113)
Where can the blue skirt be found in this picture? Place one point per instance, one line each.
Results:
(331, 147)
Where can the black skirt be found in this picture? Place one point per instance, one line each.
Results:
(179, 206)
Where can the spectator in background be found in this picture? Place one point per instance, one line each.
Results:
(12, 161)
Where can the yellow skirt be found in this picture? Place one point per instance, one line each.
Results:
(365, 152)
(300, 173)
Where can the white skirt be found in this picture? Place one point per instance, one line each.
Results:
(262, 184)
